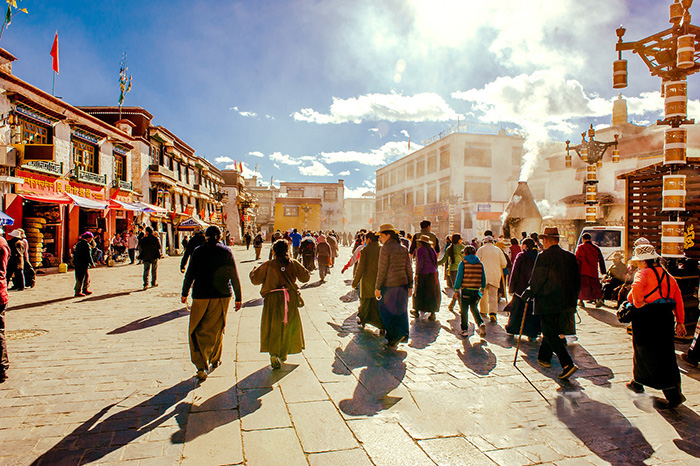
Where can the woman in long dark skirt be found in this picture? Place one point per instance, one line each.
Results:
(427, 296)
(281, 332)
(654, 301)
(364, 278)
(519, 281)
(394, 285)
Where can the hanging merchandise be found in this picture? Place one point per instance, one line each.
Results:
(41, 222)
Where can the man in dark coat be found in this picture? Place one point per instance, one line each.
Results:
(150, 253)
(554, 285)
(194, 242)
(424, 230)
(590, 261)
(365, 277)
(213, 277)
(82, 261)
(248, 239)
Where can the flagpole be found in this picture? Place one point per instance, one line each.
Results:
(53, 88)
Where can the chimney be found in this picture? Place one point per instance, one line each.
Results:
(521, 213)
(6, 59)
(125, 125)
(619, 115)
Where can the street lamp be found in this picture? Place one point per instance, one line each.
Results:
(453, 199)
(591, 153)
(306, 208)
(670, 55)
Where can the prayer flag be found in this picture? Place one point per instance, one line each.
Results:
(54, 53)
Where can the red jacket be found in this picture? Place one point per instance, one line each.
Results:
(589, 259)
(4, 257)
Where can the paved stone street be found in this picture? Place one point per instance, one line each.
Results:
(107, 379)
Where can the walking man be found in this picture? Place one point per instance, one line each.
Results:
(296, 243)
(424, 230)
(494, 262)
(213, 277)
(150, 253)
(248, 239)
(4, 298)
(194, 242)
(82, 261)
(590, 260)
(554, 285)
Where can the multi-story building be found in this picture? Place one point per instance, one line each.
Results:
(240, 210)
(63, 170)
(461, 182)
(330, 194)
(359, 213)
(302, 213)
(172, 178)
(263, 218)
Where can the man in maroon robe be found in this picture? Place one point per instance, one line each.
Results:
(590, 261)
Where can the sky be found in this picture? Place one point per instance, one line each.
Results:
(321, 90)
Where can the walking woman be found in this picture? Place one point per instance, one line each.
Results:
(427, 296)
(469, 281)
(257, 245)
(365, 278)
(280, 329)
(452, 258)
(394, 285)
(523, 263)
(323, 256)
(653, 301)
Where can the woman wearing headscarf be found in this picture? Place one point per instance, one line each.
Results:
(394, 285)
(281, 332)
(519, 281)
(323, 256)
(654, 301)
(427, 295)
(365, 278)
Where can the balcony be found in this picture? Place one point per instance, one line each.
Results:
(82, 175)
(121, 184)
(44, 166)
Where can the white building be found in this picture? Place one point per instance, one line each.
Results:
(360, 212)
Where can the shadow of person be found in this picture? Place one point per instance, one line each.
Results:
(147, 322)
(349, 297)
(604, 316)
(39, 303)
(603, 429)
(496, 335)
(423, 333)
(100, 297)
(94, 438)
(477, 357)
(253, 302)
(685, 421)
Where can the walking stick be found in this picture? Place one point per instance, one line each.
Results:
(505, 285)
(520, 337)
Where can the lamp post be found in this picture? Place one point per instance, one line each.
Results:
(329, 214)
(591, 153)
(453, 199)
(670, 55)
(306, 208)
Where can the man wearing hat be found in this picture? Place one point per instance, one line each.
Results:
(425, 230)
(82, 261)
(494, 261)
(555, 284)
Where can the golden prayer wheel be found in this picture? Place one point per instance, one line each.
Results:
(675, 13)
(591, 171)
(599, 163)
(674, 193)
(676, 99)
(567, 160)
(591, 214)
(615, 155)
(584, 154)
(591, 193)
(672, 239)
(675, 146)
(619, 74)
(685, 57)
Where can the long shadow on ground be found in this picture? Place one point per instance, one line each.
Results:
(686, 422)
(146, 322)
(97, 437)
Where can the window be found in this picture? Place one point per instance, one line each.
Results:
(410, 171)
(477, 156)
(330, 194)
(402, 175)
(393, 178)
(33, 133)
(179, 172)
(420, 168)
(477, 189)
(119, 167)
(432, 194)
(444, 157)
(187, 174)
(420, 196)
(291, 211)
(432, 163)
(84, 156)
(409, 199)
(444, 190)
(155, 155)
(295, 192)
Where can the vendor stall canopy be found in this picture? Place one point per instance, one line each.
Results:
(6, 219)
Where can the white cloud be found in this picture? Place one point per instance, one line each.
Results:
(315, 169)
(223, 160)
(256, 153)
(405, 133)
(392, 107)
(243, 113)
(284, 159)
(387, 153)
(248, 173)
(344, 173)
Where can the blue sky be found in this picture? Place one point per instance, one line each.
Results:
(321, 90)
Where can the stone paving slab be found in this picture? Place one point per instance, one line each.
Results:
(107, 380)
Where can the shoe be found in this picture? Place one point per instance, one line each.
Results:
(568, 371)
(688, 360)
(599, 303)
(465, 333)
(581, 303)
(382, 332)
(629, 329)
(3, 377)
(392, 344)
(635, 387)
(546, 364)
(676, 402)
(87, 293)
(214, 365)
(493, 318)
(78, 295)
(415, 314)
(145, 287)
(482, 330)
(451, 306)
(154, 285)
(404, 339)
(275, 362)
(432, 317)
(201, 375)
(666, 404)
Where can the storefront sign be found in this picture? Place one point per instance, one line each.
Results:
(35, 183)
(483, 208)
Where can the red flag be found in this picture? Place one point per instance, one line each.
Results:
(240, 166)
(54, 53)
